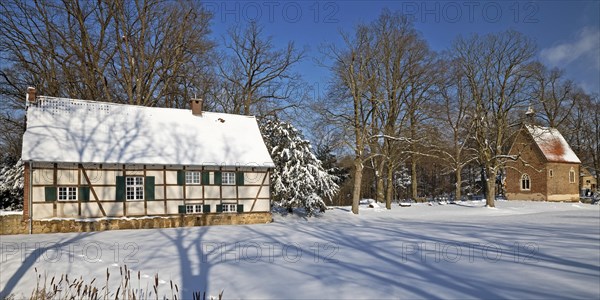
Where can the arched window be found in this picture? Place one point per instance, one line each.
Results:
(572, 175)
(525, 182)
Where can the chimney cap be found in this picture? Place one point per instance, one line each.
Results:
(196, 104)
(31, 95)
(530, 111)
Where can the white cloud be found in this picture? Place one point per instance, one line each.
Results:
(586, 47)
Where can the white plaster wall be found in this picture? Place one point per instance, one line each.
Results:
(173, 207)
(113, 209)
(156, 207)
(38, 194)
(211, 192)
(159, 192)
(254, 178)
(174, 192)
(229, 192)
(42, 176)
(66, 177)
(158, 176)
(193, 192)
(41, 211)
(135, 208)
(251, 191)
(91, 210)
(67, 210)
(171, 177)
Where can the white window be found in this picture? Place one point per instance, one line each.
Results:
(229, 208)
(67, 193)
(572, 175)
(134, 188)
(228, 178)
(525, 182)
(193, 208)
(192, 177)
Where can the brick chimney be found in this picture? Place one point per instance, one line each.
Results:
(196, 105)
(30, 95)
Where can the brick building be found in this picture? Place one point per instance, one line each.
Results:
(547, 168)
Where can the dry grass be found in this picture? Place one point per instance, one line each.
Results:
(65, 288)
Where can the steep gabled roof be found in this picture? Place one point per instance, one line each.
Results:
(553, 145)
(78, 131)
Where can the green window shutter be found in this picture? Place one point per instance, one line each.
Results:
(149, 188)
(206, 208)
(120, 195)
(219, 208)
(218, 178)
(205, 178)
(180, 177)
(239, 178)
(50, 192)
(181, 209)
(240, 208)
(84, 194)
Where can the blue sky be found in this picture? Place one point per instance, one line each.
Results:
(567, 33)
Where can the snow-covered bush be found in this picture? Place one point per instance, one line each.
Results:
(11, 186)
(299, 179)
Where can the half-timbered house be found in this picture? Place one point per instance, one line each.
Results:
(89, 159)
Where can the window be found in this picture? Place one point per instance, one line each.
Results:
(551, 173)
(572, 175)
(229, 208)
(192, 177)
(193, 208)
(134, 188)
(525, 182)
(67, 193)
(228, 178)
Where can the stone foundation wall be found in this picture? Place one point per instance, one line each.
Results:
(14, 224)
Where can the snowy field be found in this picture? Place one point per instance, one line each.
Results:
(524, 250)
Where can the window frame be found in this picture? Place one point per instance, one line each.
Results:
(68, 193)
(525, 182)
(225, 208)
(228, 178)
(193, 177)
(195, 208)
(137, 188)
(572, 175)
(551, 173)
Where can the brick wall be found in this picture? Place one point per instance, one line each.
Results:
(27, 184)
(531, 162)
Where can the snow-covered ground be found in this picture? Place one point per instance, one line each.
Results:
(525, 250)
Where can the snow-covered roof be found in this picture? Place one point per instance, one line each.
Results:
(552, 144)
(79, 131)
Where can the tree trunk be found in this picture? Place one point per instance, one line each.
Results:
(490, 192)
(457, 192)
(413, 178)
(390, 188)
(357, 181)
(380, 183)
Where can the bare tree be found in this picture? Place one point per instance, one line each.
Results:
(454, 123)
(351, 110)
(584, 125)
(257, 77)
(144, 52)
(553, 96)
(495, 68)
(155, 41)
